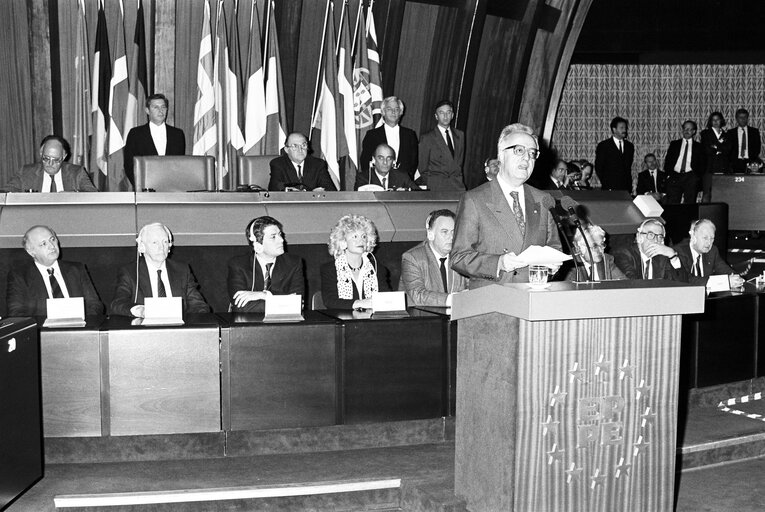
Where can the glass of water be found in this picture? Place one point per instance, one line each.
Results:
(538, 275)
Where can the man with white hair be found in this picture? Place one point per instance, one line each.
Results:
(498, 220)
(700, 258)
(648, 257)
(402, 140)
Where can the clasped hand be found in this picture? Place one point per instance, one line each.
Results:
(242, 297)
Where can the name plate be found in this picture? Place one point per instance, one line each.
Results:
(284, 308)
(65, 312)
(718, 284)
(163, 309)
(388, 301)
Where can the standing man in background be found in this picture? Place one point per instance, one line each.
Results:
(402, 140)
(613, 158)
(442, 152)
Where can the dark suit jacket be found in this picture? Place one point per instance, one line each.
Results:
(551, 185)
(613, 167)
(698, 158)
(407, 156)
(611, 271)
(396, 179)
(182, 284)
(438, 168)
(286, 278)
(329, 286)
(753, 142)
(711, 262)
(645, 183)
(140, 143)
(629, 261)
(486, 229)
(315, 174)
(26, 293)
(717, 151)
(421, 277)
(30, 177)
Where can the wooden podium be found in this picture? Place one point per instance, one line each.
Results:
(567, 397)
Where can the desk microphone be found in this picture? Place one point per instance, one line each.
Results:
(563, 232)
(570, 205)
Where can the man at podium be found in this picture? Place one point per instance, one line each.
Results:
(500, 219)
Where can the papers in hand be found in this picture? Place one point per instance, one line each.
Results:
(538, 255)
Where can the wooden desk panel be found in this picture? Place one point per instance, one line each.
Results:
(743, 193)
(164, 381)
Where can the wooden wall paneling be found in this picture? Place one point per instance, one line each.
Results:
(164, 71)
(40, 64)
(309, 48)
(288, 16)
(389, 20)
(188, 30)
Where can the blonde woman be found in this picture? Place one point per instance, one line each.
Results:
(349, 281)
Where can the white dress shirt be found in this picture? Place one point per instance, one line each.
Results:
(159, 136)
(47, 179)
(392, 135)
(687, 143)
(153, 278)
(57, 274)
(740, 133)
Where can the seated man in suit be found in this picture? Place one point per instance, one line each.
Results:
(652, 181)
(44, 277)
(157, 276)
(299, 170)
(685, 163)
(52, 173)
(155, 138)
(558, 179)
(648, 257)
(402, 140)
(383, 172)
(604, 268)
(426, 273)
(267, 270)
(442, 152)
(700, 257)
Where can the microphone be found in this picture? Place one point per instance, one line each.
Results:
(570, 205)
(563, 232)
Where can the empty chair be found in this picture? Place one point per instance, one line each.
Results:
(174, 173)
(255, 170)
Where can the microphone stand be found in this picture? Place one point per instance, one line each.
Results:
(562, 231)
(569, 204)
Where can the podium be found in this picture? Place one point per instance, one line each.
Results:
(567, 396)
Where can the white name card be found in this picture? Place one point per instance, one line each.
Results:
(71, 308)
(648, 206)
(388, 301)
(284, 308)
(163, 308)
(718, 284)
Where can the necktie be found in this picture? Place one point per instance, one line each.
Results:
(743, 144)
(385, 183)
(683, 166)
(443, 274)
(53, 187)
(55, 289)
(518, 213)
(449, 142)
(697, 266)
(621, 149)
(647, 269)
(161, 292)
(267, 280)
(300, 173)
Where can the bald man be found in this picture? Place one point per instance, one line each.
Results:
(51, 173)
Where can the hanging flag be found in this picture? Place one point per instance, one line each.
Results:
(205, 132)
(82, 116)
(375, 76)
(230, 139)
(362, 93)
(347, 136)
(136, 103)
(276, 110)
(255, 95)
(325, 119)
(118, 95)
(235, 61)
(102, 73)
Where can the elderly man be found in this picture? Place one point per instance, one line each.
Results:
(613, 158)
(426, 274)
(402, 140)
(155, 137)
(500, 219)
(157, 276)
(604, 267)
(648, 257)
(266, 270)
(383, 172)
(700, 258)
(296, 169)
(52, 173)
(442, 152)
(44, 277)
(685, 164)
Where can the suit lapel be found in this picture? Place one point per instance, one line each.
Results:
(149, 141)
(442, 142)
(39, 174)
(35, 281)
(532, 212)
(144, 283)
(257, 277)
(434, 268)
(174, 272)
(499, 206)
(72, 286)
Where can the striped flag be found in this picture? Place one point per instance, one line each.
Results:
(375, 76)
(347, 137)
(255, 94)
(82, 116)
(230, 139)
(205, 133)
(102, 73)
(276, 111)
(118, 96)
(139, 84)
(326, 119)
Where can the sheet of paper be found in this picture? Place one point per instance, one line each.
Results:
(538, 255)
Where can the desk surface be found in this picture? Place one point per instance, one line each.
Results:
(254, 319)
(368, 316)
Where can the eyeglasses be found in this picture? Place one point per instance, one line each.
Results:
(653, 236)
(295, 147)
(51, 160)
(519, 150)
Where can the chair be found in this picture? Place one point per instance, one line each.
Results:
(174, 173)
(317, 302)
(255, 170)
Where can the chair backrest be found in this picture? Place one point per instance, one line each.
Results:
(317, 302)
(255, 170)
(174, 173)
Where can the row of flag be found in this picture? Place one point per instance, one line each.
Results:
(240, 104)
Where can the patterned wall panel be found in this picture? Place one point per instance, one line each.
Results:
(655, 99)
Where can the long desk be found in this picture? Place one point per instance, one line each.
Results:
(743, 193)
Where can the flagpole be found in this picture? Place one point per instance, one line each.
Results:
(356, 28)
(269, 5)
(318, 72)
(342, 18)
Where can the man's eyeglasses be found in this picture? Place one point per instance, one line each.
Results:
(658, 237)
(519, 150)
(296, 147)
(51, 160)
